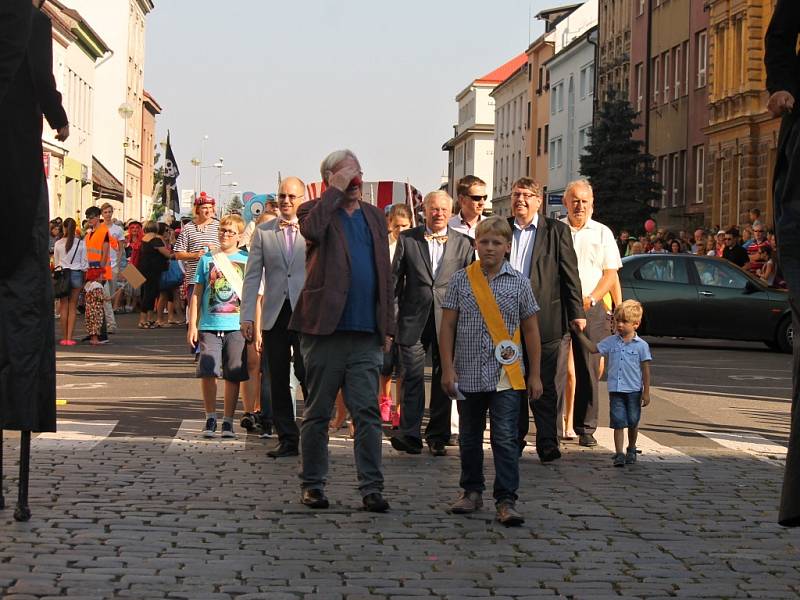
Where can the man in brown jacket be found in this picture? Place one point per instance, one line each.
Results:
(344, 316)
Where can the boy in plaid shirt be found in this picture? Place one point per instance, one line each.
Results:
(489, 308)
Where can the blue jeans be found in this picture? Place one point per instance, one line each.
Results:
(626, 409)
(503, 410)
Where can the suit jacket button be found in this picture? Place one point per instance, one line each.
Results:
(288, 274)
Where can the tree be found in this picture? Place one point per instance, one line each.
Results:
(621, 173)
(235, 205)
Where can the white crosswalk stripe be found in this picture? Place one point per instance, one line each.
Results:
(750, 443)
(74, 435)
(652, 451)
(189, 439)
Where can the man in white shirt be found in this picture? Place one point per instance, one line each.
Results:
(115, 231)
(598, 262)
(472, 196)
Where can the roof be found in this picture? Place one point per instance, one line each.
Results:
(104, 183)
(557, 9)
(148, 98)
(503, 72)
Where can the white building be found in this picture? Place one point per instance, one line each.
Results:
(471, 149)
(119, 91)
(511, 160)
(77, 51)
(572, 80)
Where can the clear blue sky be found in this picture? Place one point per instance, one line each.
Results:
(277, 85)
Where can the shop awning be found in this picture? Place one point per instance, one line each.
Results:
(104, 184)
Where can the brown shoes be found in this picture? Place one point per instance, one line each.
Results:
(468, 502)
(507, 514)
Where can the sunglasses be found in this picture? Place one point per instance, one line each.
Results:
(476, 197)
(291, 197)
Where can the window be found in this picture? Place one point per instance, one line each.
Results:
(702, 58)
(656, 71)
(528, 126)
(587, 81)
(678, 65)
(538, 141)
(560, 87)
(667, 76)
(667, 270)
(553, 100)
(583, 138)
(639, 87)
(590, 78)
(676, 179)
(641, 7)
(540, 82)
(713, 273)
(583, 83)
(546, 137)
(664, 181)
(700, 173)
(555, 153)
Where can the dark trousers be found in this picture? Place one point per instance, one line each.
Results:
(503, 410)
(413, 407)
(787, 230)
(587, 364)
(545, 408)
(279, 343)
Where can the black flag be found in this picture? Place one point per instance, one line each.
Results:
(169, 190)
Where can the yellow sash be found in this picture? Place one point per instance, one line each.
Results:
(494, 320)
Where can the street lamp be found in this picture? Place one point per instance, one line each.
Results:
(198, 164)
(125, 111)
(230, 185)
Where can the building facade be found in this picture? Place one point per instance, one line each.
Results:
(471, 149)
(119, 95)
(572, 82)
(77, 50)
(512, 124)
(742, 137)
(539, 52)
(614, 47)
(151, 109)
(677, 103)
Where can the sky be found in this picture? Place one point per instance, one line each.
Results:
(278, 85)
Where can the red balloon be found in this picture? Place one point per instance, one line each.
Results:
(649, 226)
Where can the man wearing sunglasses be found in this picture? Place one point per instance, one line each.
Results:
(733, 251)
(472, 196)
(278, 256)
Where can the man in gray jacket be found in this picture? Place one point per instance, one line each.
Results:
(278, 256)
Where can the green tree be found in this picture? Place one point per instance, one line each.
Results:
(622, 175)
(235, 205)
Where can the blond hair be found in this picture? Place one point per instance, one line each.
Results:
(233, 220)
(496, 226)
(630, 311)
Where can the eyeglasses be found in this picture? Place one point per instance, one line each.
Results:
(291, 197)
(758, 231)
(476, 197)
(228, 232)
(527, 196)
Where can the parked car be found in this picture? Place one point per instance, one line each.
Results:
(684, 295)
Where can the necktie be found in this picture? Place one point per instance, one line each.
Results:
(292, 224)
(289, 236)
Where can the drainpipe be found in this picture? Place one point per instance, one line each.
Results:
(648, 77)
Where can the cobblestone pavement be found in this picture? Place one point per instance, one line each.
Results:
(123, 514)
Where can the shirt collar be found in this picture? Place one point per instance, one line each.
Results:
(464, 222)
(440, 232)
(534, 223)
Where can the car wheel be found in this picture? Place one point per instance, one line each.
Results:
(784, 337)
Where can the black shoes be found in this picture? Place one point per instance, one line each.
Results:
(314, 498)
(587, 439)
(549, 454)
(375, 502)
(405, 444)
(437, 447)
(283, 450)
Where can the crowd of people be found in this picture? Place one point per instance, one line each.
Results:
(751, 246)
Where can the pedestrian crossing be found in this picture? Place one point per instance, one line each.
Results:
(75, 435)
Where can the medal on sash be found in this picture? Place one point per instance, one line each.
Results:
(507, 349)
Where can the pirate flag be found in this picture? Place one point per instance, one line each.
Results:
(169, 189)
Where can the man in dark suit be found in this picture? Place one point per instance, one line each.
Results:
(425, 259)
(542, 250)
(783, 82)
(345, 315)
(278, 257)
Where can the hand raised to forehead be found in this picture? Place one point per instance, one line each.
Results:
(347, 172)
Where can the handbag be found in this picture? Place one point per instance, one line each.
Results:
(172, 277)
(62, 277)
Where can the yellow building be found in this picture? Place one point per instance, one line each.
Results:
(742, 137)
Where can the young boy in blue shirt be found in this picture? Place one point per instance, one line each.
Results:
(488, 309)
(628, 366)
(214, 324)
